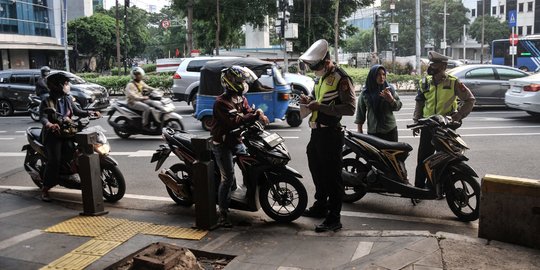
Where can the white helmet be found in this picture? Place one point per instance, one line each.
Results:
(136, 71)
(316, 54)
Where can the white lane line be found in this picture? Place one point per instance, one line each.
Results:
(481, 135)
(220, 241)
(3, 131)
(20, 131)
(285, 137)
(474, 128)
(363, 249)
(19, 238)
(410, 219)
(6, 139)
(19, 211)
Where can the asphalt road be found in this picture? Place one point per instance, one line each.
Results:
(502, 141)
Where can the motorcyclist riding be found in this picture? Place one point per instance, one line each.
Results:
(58, 144)
(41, 84)
(137, 92)
(231, 109)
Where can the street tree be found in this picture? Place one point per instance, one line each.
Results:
(493, 29)
(164, 42)
(362, 41)
(454, 21)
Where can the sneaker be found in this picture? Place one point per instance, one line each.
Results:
(45, 196)
(328, 226)
(316, 212)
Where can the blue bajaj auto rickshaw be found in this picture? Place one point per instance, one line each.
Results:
(270, 92)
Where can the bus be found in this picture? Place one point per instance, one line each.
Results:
(527, 57)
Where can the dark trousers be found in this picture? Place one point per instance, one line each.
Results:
(425, 149)
(325, 162)
(59, 151)
(392, 135)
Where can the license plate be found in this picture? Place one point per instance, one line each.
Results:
(516, 89)
(273, 139)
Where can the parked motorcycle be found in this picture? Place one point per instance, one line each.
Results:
(379, 167)
(114, 186)
(33, 107)
(267, 180)
(129, 122)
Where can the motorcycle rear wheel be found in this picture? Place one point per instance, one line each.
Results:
(352, 194)
(34, 116)
(38, 162)
(291, 197)
(181, 171)
(114, 185)
(460, 189)
(174, 124)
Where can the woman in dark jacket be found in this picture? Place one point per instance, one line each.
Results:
(58, 147)
(377, 103)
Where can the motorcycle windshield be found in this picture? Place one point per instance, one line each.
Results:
(101, 138)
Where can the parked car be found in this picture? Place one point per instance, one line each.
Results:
(186, 80)
(524, 94)
(454, 63)
(488, 83)
(17, 85)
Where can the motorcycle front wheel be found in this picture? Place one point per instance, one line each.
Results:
(34, 116)
(463, 196)
(114, 185)
(122, 121)
(283, 198)
(181, 171)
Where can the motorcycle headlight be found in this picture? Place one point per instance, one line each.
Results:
(102, 148)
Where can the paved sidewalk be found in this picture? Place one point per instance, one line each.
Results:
(261, 245)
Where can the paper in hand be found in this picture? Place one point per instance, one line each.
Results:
(304, 111)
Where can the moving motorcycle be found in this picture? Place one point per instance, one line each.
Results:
(267, 181)
(380, 168)
(129, 121)
(114, 186)
(33, 107)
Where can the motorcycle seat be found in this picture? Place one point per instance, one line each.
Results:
(382, 144)
(35, 133)
(125, 105)
(184, 139)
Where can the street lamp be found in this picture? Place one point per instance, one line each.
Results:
(443, 42)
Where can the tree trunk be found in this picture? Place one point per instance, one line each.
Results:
(189, 27)
(218, 27)
(336, 32)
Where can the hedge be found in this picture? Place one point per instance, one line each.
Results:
(404, 82)
(116, 84)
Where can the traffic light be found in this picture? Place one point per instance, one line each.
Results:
(126, 3)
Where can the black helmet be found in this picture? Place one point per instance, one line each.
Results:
(235, 79)
(45, 70)
(56, 81)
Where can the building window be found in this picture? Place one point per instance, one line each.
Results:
(26, 18)
(529, 30)
(520, 30)
(501, 9)
(494, 10)
(473, 12)
(529, 6)
(520, 7)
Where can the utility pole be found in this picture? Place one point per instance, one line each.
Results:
(418, 40)
(117, 39)
(284, 27)
(64, 25)
(375, 26)
(190, 27)
(126, 4)
(443, 43)
(392, 8)
(482, 43)
(336, 32)
(218, 27)
(464, 41)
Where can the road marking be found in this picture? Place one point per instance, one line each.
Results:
(19, 238)
(20, 131)
(284, 137)
(410, 219)
(3, 131)
(474, 128)
(220, 241)
(6, 139)
(19, 211)
(363, 249)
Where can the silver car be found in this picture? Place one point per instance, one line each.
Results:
(488, 83)
(524, 94)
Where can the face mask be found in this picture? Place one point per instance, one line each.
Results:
(246, 88)
(320, 73)
(66, 89)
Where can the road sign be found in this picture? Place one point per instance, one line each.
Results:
(165, 24)
(394, 38)
(394, 28)
(513, 39)
(443, 45)
(512, 18)
(513, 50)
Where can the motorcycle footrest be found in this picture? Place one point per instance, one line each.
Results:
(172, 184)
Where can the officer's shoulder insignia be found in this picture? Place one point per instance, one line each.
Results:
(330, 80)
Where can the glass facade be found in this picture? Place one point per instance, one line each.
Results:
(27, 17)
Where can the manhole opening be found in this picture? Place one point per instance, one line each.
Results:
(164, 256)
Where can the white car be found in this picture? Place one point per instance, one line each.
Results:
(524, 94)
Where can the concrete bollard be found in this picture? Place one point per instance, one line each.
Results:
(205, 185)
(510, 210)
(90, 173)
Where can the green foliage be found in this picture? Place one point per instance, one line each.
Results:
(493, 29)
(401, 81)
(116, 84)
(360, 42)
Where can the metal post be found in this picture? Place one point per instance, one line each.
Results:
(464, 41)
(117, 40)
(444, 28)
(284, 27)
(205, 185)
(126, 3)
(513, 32)
(90, 173)
(418, 40)
(392, 8)
(483, 24)
(64, 25)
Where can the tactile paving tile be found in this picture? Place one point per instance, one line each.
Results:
(189, 234)
(124, 231)
(72, 261)
(160, 230)
(96, 247)
(78, 229)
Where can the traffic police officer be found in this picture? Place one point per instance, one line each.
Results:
(332, 98)
(438, 93)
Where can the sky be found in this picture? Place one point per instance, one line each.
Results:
(143, 4)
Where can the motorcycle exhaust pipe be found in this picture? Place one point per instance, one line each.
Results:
(171, 183)
(352, 179)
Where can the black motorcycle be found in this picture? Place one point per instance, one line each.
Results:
(33, 107)
(379, 167)
(114, 186)
(267, 180)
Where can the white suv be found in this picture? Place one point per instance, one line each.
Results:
(186, 78)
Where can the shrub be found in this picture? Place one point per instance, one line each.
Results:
(149, 68)
(116, 84)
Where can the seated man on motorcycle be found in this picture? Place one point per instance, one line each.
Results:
(137, 93)
(231, 110)
(41, 85)
(58, 141)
